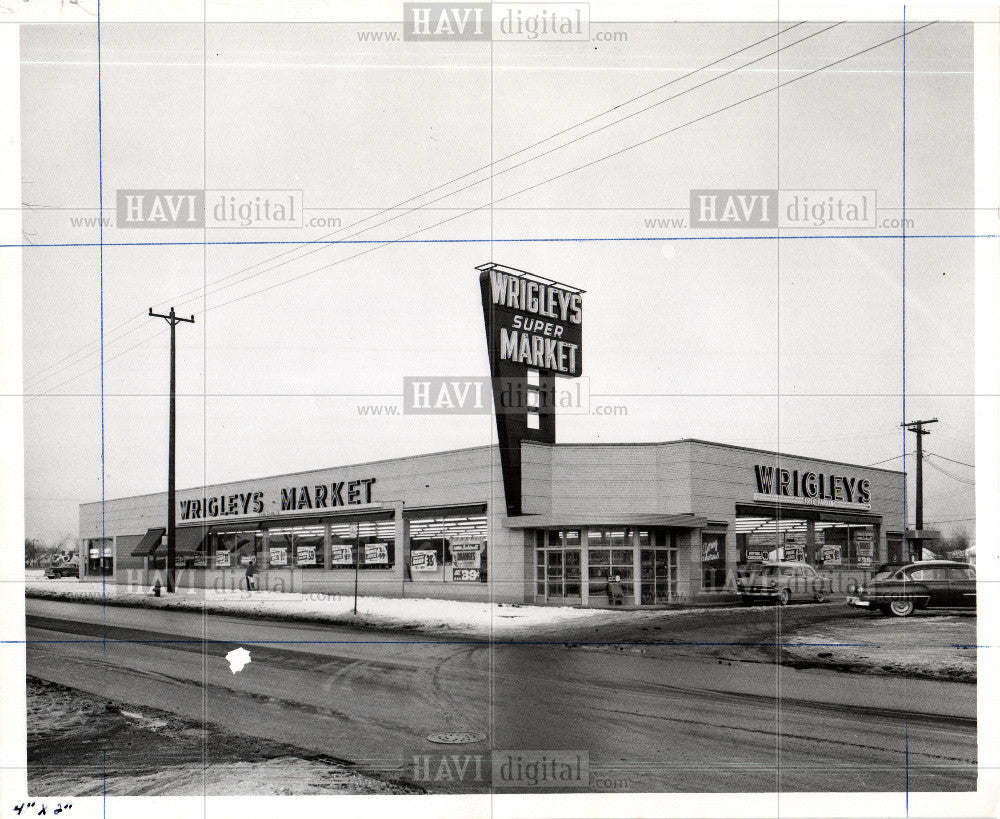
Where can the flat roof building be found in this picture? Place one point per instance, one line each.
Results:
(674, 521)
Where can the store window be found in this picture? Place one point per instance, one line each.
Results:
(558, 570)
(846, 545)
(305, 546)
(377, 544)
(100, 556)
(449, 548)
(371, 543)
(657, 567)
(713, 560)
(609, 555)
(343, 545)
(230, 550)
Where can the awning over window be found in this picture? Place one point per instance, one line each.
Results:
(683, 521)
(235, 526)
(149, 543)
(191, 539)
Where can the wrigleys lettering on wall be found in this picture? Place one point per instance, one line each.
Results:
(290, 499)
(811, 488)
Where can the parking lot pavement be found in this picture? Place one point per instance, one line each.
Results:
(931, 645)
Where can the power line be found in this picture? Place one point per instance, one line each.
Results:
(949, 474)
(952, 460)
(488, 166)
(494, 174)
(894, 458)
(951, 520)
(574, 170)
(546, 181)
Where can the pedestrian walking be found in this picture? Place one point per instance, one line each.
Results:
(252, 576)
(616, 594)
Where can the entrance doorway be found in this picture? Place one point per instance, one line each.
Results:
(570, 562)
(558, 570)
(657, 576)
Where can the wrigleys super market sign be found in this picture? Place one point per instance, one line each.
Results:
(811, 488)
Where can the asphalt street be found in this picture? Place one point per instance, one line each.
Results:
(669, 715)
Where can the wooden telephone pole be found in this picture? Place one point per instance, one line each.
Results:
(917, 427)
(173, 320)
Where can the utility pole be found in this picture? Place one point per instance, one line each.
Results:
(173, 320)
(917, 427)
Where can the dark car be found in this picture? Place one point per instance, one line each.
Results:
(68, 569)
(783, 582)
(927, 584)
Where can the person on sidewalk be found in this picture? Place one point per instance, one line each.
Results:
(616, 594)
(252, 576)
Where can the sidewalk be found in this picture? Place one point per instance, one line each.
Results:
(428, 616)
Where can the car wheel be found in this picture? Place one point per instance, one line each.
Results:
(901, 608)
(783, 597)
(820, 598)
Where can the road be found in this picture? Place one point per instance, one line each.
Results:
(653, 718)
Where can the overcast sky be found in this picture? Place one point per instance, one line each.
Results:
(794, 345)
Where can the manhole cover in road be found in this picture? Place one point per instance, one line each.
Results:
(456, 737)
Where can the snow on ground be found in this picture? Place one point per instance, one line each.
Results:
(475, 619)
(150, 753)
(928, 645)
(280, 777)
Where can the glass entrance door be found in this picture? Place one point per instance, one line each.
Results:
(558, 570)
(657, 576)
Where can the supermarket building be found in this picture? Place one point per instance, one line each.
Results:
(674, 520)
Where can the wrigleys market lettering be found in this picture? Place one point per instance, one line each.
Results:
(293, 498)
(813, 488)
(221, 506)
(536, 324)
(327, 496)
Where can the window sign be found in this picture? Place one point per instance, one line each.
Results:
(223, 560)
(793, 553)
(830, 555)
(278, 556)
(710, 550)
(342, 555)
(305, 555)
(377, 553)
(423, 561)
(466, 556)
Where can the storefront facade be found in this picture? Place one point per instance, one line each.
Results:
(674, 521)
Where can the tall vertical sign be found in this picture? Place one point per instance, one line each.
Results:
(534, 333)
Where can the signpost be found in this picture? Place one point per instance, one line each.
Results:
(534, 333)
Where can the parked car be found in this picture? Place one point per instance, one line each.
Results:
(68, 569)
(782, 583)
(927, 584)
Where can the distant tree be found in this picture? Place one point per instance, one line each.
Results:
(32, 550)
(953, 545)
